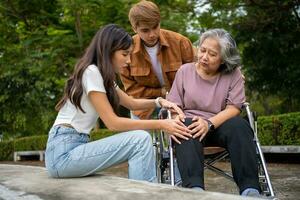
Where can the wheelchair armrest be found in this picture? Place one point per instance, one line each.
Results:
(246, 106)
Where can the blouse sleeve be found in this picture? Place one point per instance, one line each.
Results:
(92, 80)
(236, 95)
(177, 91)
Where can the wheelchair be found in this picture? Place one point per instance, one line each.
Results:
(164, 154)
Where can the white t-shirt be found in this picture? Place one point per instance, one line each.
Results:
(69, 114)
(156, 66)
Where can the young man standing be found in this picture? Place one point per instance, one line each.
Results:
(157, 55)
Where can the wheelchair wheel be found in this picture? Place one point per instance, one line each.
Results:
(162, 160)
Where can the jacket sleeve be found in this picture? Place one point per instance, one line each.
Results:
(187, 51)
(133, 88)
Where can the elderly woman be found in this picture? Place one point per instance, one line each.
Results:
(211, 94)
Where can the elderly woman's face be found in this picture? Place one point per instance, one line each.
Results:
(209, 55)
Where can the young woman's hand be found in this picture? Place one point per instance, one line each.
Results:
(176, 129)
(172, 107)
(199, 128)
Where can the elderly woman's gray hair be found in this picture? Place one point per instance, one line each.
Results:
(229, 52)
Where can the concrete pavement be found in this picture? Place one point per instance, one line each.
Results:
(285, 178)
(19, 182)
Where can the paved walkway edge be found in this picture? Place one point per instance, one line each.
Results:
(281, 149)
(19, 182)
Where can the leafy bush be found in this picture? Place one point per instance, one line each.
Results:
(6, 150)
(101, 133)
(281, 129)
(31, 143)
(39, 142)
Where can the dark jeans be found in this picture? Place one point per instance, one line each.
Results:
(236, 136)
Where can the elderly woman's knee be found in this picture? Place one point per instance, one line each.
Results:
(237, 120)
(237, 127)
(191, 144)
(237, 123)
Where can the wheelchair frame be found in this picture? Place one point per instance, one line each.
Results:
(164, 154)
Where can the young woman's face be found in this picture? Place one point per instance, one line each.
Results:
(121, 58)
(209, 55)
(149, 35)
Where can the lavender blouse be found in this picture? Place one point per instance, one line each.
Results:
(206, 98)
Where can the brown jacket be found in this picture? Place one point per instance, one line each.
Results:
(139, 79)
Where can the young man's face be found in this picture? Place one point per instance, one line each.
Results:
(149, 35)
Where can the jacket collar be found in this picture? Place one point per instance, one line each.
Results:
(138, 44)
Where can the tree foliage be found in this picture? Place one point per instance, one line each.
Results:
(268, 35)
(41, 40)
(39, 44)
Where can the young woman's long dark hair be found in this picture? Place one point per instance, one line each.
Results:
(107, 40)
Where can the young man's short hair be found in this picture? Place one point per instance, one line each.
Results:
(144, 12)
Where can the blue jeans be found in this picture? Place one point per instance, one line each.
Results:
(70, 154)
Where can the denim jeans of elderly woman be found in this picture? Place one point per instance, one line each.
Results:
(70, 154)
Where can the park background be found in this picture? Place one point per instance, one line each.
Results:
(41, 40)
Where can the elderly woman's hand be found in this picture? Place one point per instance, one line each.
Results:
(199, 128)
(172, 107)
